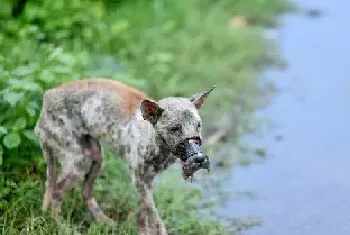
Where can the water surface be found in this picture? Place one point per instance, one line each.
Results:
(304, 187)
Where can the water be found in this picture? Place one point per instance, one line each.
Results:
(304, 188)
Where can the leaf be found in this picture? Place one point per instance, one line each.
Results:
(46, 76)
(169, 25)
(12, 140)
(119, 26)
(66, 59)
(25, 70)
(56, 52)
(31, 112)
(27, 85)
(3, 131)
(29, 134)
(62, 69)
(13, 97)
(20, 124)
(1, 153)
(31, 108)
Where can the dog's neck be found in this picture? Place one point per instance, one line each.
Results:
(137, 140)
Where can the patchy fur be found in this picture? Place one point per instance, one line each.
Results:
(76, 116)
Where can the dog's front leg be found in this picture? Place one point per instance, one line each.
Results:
(148, 219)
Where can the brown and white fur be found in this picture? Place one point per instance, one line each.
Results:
(77, 115)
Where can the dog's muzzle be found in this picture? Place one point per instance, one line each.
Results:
(194, 158)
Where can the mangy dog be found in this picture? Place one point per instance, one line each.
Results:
(149, 135)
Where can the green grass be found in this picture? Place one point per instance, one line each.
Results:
(165, 48)
(178, 204)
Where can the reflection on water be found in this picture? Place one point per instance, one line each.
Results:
(304, 187)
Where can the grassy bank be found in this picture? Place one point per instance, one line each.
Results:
(165, 48)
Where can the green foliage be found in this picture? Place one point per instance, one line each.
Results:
(26, 73)
(178, 204)
(165, 48)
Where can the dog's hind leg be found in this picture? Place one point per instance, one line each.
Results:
(65, 182)
(57, 187)
(94, 148)
(51, 177)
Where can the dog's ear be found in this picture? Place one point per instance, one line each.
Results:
(151, 111)
(199, 98)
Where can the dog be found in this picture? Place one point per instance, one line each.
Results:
(149, 135)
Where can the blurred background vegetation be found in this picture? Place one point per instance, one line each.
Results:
(163, 47)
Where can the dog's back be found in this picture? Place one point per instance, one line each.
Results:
(124, 97)
(92, 104)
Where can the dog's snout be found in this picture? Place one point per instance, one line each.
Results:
(200, 159)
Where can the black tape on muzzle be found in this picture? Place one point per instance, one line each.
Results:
(192, 147)
(193, 151)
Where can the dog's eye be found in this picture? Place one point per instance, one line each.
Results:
(176, 128)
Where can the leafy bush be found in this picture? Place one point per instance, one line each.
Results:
(25, 74)
(163, 50)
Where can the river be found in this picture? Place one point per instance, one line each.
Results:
(304, 186)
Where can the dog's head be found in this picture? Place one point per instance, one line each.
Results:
(178, 124)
